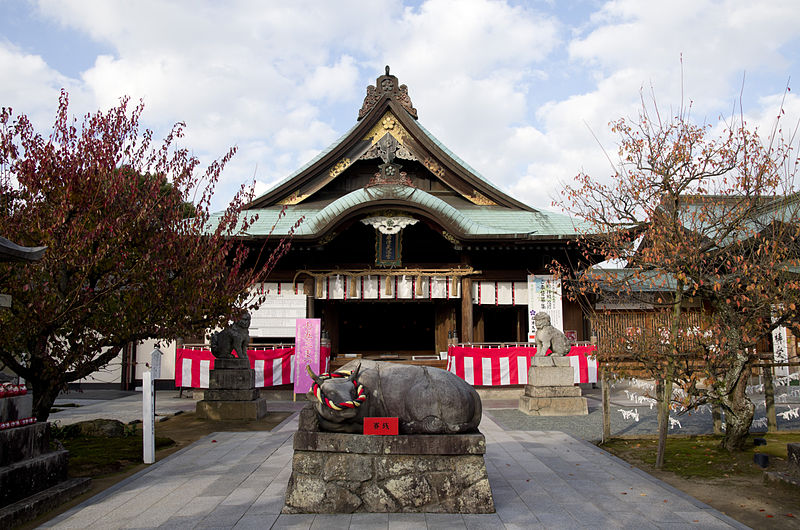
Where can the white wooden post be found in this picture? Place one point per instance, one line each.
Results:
(148, 419)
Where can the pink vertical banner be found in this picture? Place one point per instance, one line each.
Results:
(306, 352)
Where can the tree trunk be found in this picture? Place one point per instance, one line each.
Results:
(44, 395)
(664, 396)
(739, 410)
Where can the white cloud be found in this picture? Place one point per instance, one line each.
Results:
(282, 80)
(30, 86)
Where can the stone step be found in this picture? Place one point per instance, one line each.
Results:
(21, 443)
(16, 407)
(31, 507)
(553, 406)
(552, 391)
(232, 410)
(22, 479)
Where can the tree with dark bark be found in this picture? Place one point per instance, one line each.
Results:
(703, 213)
(132, 250)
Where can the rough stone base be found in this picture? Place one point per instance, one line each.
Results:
(232, 410)
(230, 394)
(31, 507)
(24, 478)
(349, 473)
(554, 406)
(552, 391)
(21, 443)
(551, 375)
(16, 407)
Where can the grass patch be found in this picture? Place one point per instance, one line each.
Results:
(96, 456)
(701, 456)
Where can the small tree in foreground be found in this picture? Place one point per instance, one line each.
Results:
(694, 214)
(130, 256)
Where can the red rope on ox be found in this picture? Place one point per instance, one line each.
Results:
(361, 395)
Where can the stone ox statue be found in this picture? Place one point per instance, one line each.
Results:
(425, 400)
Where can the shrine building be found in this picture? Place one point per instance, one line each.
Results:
(403, 248)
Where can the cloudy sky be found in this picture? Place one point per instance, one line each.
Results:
(521, 90)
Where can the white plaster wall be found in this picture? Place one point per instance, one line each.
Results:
(143, 351)
(111, 373)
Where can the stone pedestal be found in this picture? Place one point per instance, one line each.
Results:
(232, 393)
(33, 477)
(550, 390)
(349, 473)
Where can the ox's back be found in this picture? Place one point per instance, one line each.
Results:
(425, 399)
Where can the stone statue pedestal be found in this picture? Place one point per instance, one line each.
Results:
(232, 393)
(550, 390)
(33, 477)
(348, 473)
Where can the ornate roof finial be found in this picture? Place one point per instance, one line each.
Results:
(386, 86)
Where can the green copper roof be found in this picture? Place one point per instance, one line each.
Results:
(465, 220)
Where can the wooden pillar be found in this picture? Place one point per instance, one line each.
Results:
(308, 290)
(466, 310)
(444, 325)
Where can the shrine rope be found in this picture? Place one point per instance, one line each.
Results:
(353, 403)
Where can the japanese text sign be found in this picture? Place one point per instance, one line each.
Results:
(306, 343)
(381, 426)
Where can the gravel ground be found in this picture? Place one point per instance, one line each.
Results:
(591, 427)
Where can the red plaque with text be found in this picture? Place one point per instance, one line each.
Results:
(385, 426)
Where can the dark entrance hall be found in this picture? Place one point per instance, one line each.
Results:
(372, 328)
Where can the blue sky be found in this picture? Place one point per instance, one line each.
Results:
(522, 91)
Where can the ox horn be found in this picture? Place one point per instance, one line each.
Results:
(355, 371)
(313, 376)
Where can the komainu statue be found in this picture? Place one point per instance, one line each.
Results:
(548, 337)
(233, 338)
(425, 400)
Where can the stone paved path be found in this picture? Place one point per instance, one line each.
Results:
(539, 480)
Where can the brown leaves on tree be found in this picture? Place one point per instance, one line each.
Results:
(133, 249)
(692, 212)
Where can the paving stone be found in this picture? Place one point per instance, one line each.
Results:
(490, 521)
(369, 521)
(539, 479)
(445, 521)
(199, 506)
(255, 522)
(330, 522)
(406, 521)
(181, 521)
(293, 522)
(224, 516)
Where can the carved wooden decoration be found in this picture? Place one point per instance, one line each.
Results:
(387, 85)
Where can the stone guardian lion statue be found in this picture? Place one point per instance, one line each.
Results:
(233, 338)
(548, 337)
